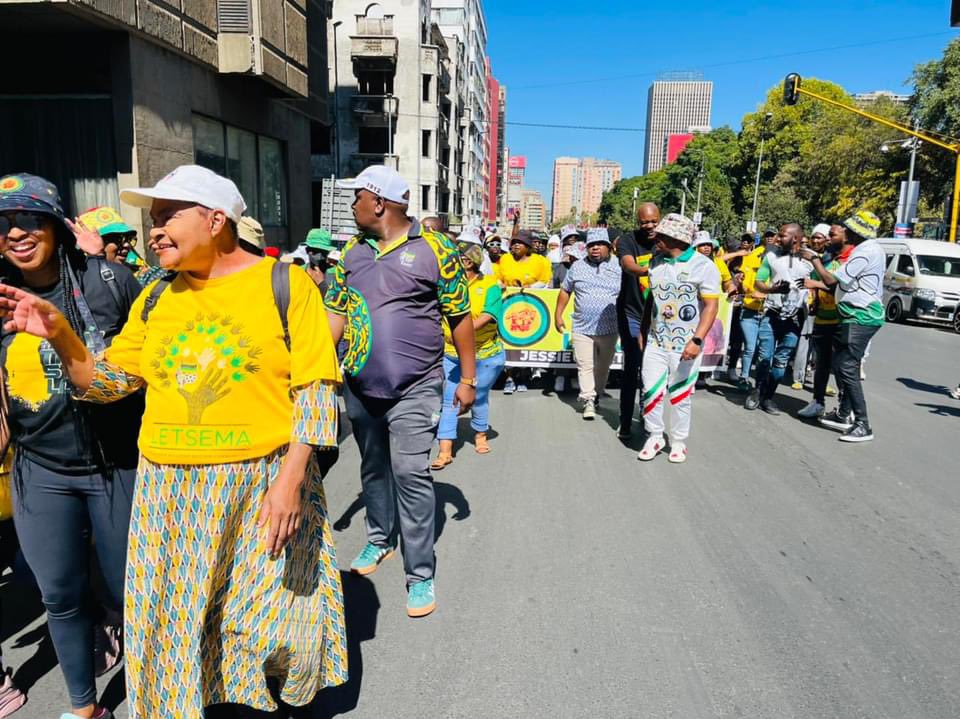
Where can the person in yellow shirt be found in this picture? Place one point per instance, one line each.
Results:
(486, 302)
(230, 551)
(523, 268)
(750, 314)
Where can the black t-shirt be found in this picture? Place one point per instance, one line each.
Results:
(631, 300)
(48, 426)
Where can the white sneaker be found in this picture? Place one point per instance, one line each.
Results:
(955, 393)
(589, 410)
(521, 388)
(814, 409)
(509, 387)
(651, 448)
(678, 453)
(558, 385)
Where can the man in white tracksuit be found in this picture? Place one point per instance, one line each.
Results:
(685, 288)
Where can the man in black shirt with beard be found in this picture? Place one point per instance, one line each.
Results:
(635, 253)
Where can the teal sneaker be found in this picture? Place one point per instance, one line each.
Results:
(369, 559)
(421, 600)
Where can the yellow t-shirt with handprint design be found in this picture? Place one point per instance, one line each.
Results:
(217, 370)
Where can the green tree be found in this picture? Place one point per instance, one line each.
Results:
(616, 207)
(936, 107)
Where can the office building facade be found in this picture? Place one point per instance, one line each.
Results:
(130, 90)
(676, 103)
(579, 184)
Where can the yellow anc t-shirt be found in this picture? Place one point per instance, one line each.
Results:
(534, 269)
(217, 370)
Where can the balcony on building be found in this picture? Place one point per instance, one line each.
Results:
(375, 110)
(374, 44)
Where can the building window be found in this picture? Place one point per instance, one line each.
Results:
(425, 143)
(425, 197)
(375, 82)
(256, 164)
(372, 141)
(425, 94)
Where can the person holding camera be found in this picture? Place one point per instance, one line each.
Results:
(781, 277)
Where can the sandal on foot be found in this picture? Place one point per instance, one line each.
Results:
(480, 442)
(442, 460)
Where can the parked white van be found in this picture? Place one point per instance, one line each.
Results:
(922, 280)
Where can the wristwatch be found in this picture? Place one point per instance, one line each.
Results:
(472, 382)
(697, 341)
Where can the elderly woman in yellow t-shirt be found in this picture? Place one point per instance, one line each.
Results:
(231, 570)
(485, 308)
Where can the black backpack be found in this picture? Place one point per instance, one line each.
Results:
(279, 280)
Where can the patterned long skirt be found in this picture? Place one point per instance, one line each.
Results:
(209, 616)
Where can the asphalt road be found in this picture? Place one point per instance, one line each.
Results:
(778, 573)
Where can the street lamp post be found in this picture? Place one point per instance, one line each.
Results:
(703, 160)
(756, 187)
(683, 199)
(636, 194)
(903, 209)
(336, 108)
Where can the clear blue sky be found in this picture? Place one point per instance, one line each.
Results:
(533, 43)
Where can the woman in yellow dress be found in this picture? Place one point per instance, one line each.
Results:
(231, 571)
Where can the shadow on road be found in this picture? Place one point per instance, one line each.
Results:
(446, 494)
(919, 386)
(941, 410)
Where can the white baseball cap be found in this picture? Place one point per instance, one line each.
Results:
(822, 229)
(470, 235)
(191, 183)
(702, 238)
(382, 181)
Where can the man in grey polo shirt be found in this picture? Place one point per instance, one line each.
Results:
(395, 282)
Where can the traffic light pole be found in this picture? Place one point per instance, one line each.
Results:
(792, 89)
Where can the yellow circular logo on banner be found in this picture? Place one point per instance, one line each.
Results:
(526, 320)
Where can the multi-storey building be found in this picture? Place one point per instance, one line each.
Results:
(516, 171)
(870, 98)
(464, 22)
(503, 153)
(391, 71)
(676, 103)
(496, 109)
(533, 210)
(579, 184)
(129, 90)
(566, 180)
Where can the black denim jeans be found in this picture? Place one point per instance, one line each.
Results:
(822, 340)
(849, 345)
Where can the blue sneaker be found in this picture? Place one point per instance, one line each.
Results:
(421, 600)
(369, 559)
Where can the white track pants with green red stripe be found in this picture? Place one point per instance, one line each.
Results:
(668, 380)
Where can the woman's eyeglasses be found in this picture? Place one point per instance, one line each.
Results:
(26, 221)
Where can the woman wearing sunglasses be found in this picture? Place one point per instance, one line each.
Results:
(74, 463)
(119, 242)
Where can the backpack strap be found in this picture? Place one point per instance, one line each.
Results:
(109, 278)
(280, 281)
(154, 296)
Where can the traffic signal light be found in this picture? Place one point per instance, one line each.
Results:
(955, 13)
(791, 89)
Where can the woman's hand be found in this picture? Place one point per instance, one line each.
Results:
(88, 240)
(23, 312)
(281, 512)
